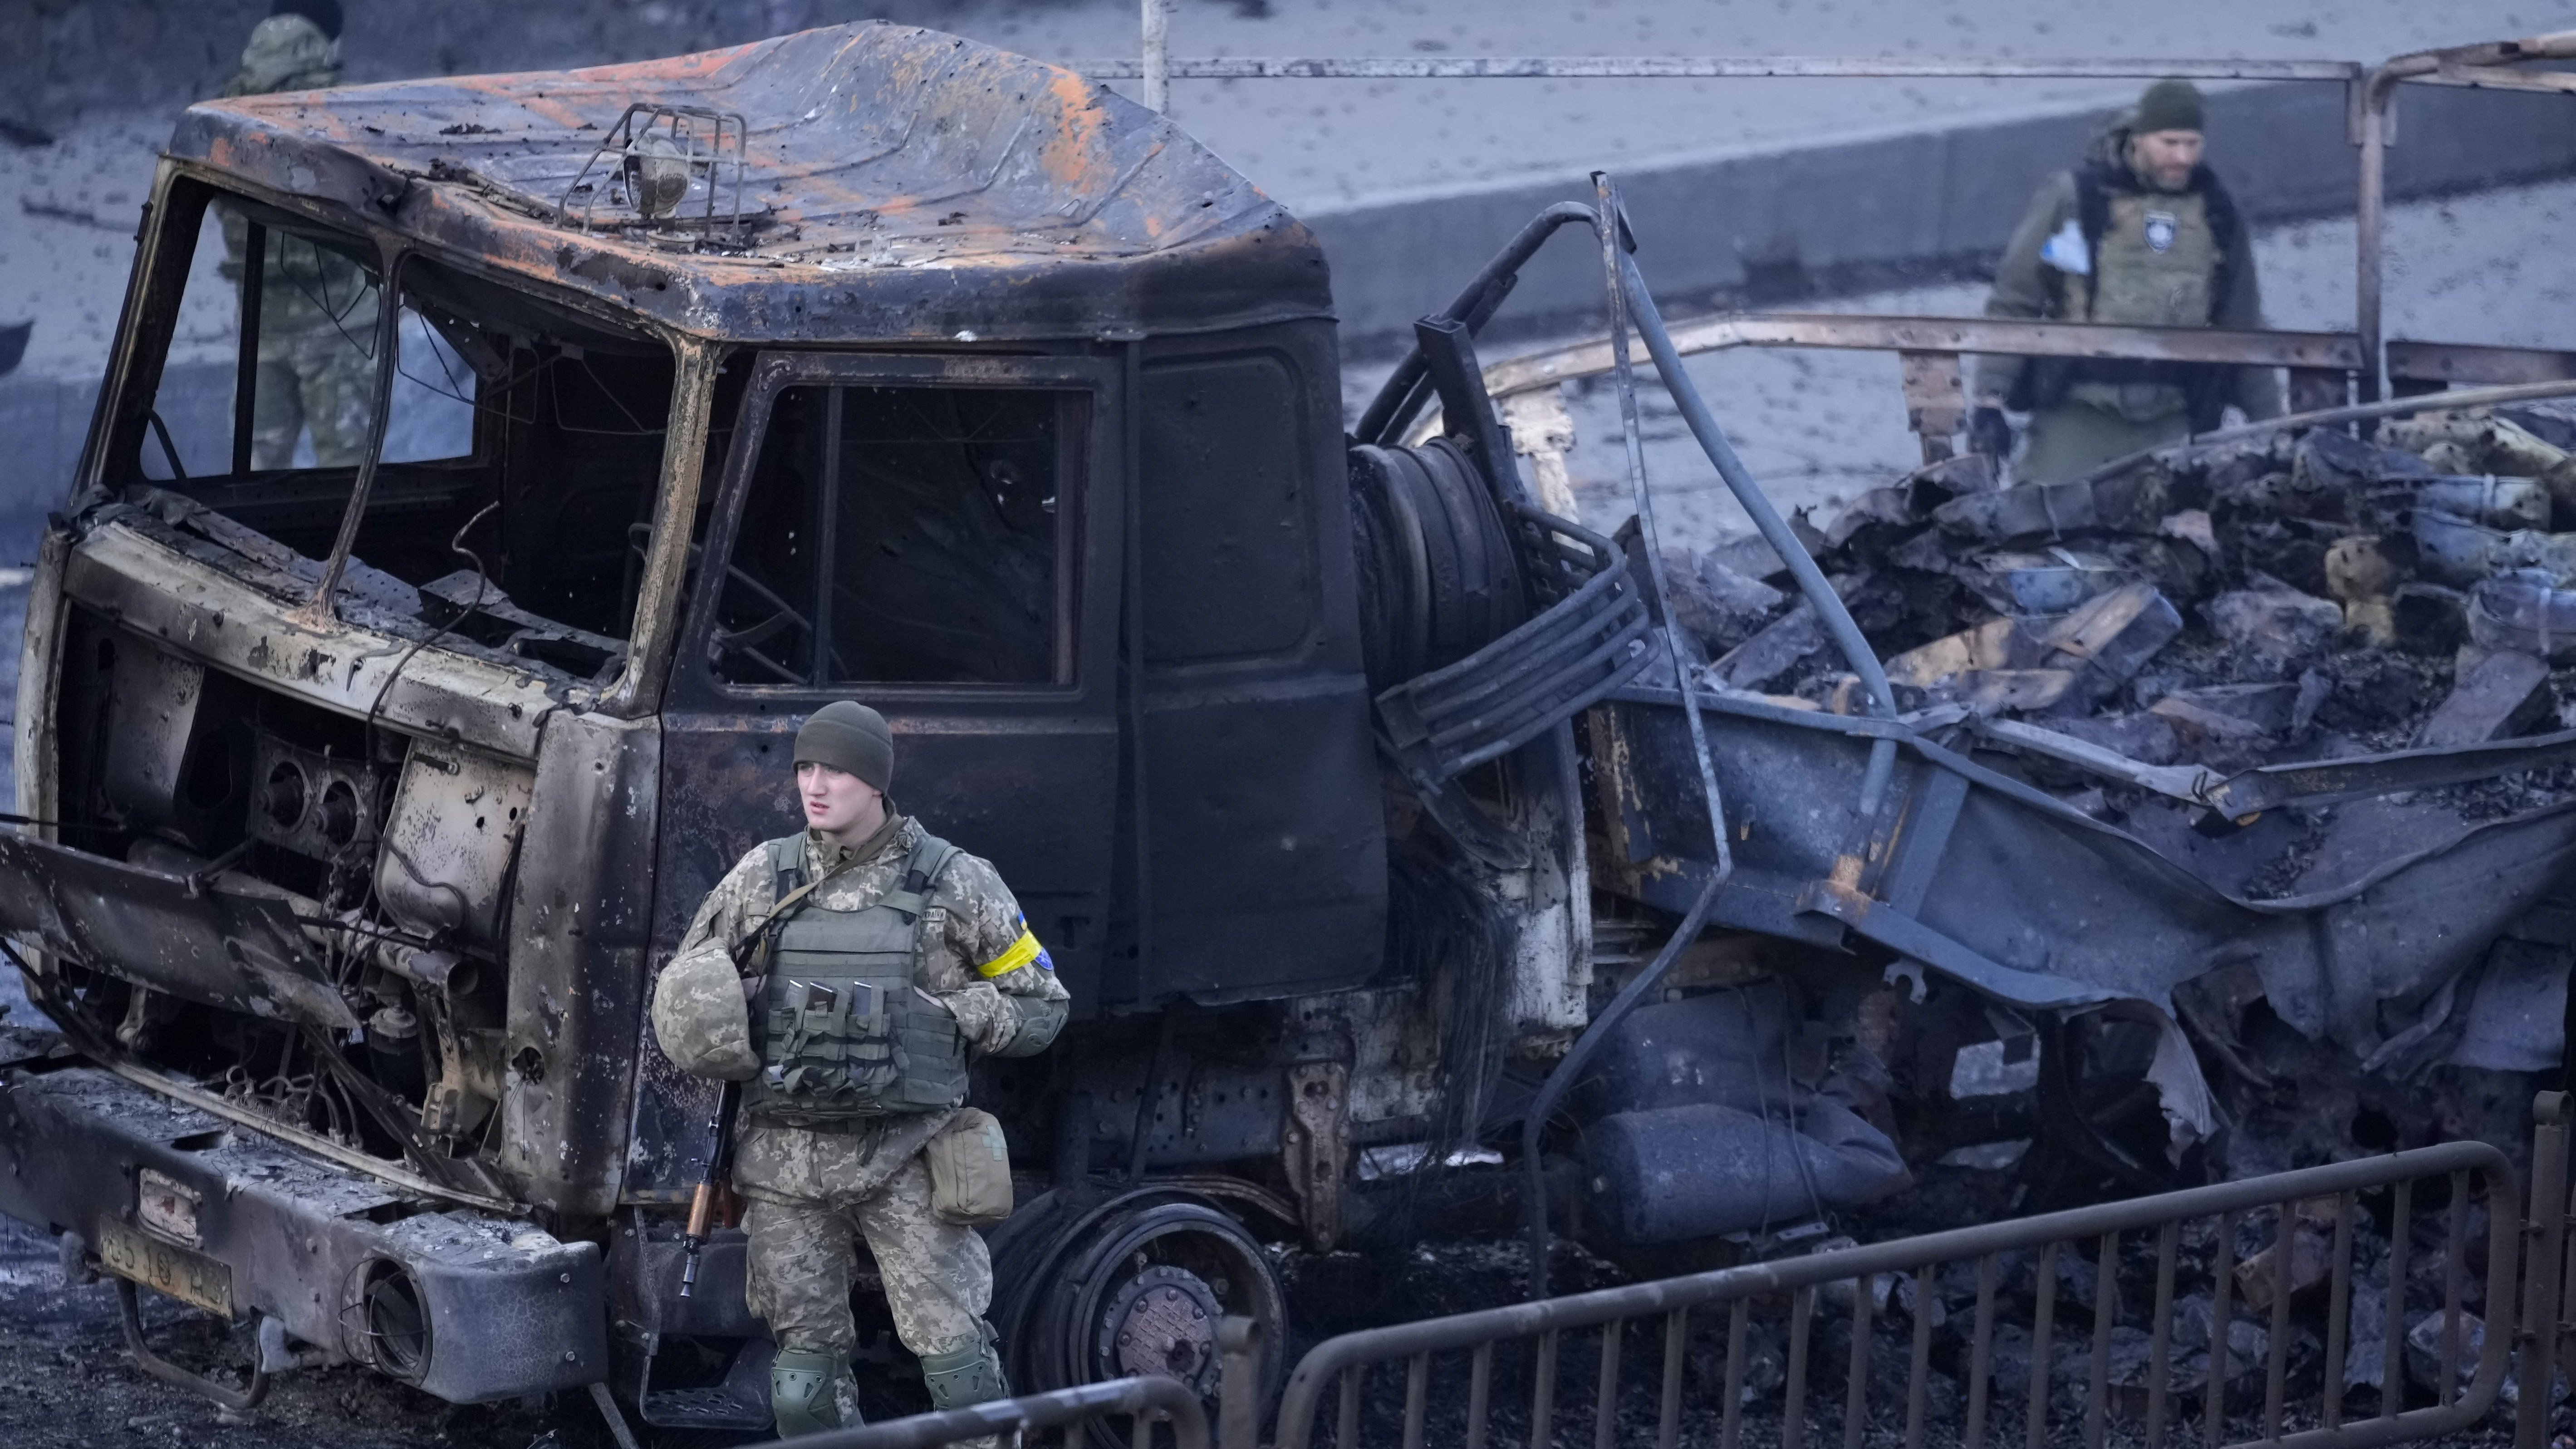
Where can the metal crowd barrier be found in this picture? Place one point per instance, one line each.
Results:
(1798, 1281)
(2296, 1216)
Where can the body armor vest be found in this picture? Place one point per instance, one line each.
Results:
(843, 1033)
(2156, 264)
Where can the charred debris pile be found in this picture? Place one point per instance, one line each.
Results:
(2125, 639)
(2130, 642)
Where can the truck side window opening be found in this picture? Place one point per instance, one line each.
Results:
(901, 535)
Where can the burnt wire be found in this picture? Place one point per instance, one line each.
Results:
(1788, 1110)
(455, 390)
(482, 581)
(482, 584)
(640, 431)
(1444, 922)
(334, 923)
(1609, 222)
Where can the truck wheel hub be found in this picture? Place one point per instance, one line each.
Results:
(1162, 1321)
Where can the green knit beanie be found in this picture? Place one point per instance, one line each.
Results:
(2168, 105)
(851, 738)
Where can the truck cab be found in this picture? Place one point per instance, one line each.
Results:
(489, 477)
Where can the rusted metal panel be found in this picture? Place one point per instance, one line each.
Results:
(39, 680)
(218, 618)
(900, 184)
(2465, 363)
(449, 840)
(1936, 404)
(2334, 350)
(579, 918)
(194, 940)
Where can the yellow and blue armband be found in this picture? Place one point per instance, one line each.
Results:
(1019, 953)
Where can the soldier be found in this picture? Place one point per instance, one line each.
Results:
(877, 954)
(317, 312)
(2141, 235)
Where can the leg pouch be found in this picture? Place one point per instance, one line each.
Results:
(970, 1171)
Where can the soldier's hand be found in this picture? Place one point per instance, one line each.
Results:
(982, 1016)
(1990, 433)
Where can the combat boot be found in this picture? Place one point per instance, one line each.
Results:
(801, 1393)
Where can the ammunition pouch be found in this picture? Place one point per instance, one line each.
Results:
(841, 1030)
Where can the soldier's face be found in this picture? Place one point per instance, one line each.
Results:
(2167, 157)
(834, 800)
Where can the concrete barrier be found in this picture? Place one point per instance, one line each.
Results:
(1770, 227)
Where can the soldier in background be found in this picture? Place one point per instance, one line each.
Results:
(2142, 234)
(842, 974)
(317, 312)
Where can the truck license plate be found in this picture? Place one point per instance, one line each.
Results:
(190, 1277)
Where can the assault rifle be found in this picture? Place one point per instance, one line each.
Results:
(702, 1206)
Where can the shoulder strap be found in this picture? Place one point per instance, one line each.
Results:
(2219, 208)
(786, 864)
(2092, 220)
(930, 855)
(787, 861)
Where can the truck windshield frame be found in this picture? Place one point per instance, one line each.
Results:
(534, 362)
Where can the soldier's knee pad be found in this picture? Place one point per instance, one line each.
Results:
(801, 1393)
(965, 1376)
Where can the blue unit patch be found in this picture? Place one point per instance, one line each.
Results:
(2161, 226)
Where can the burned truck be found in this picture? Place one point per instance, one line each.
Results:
(1402, 867)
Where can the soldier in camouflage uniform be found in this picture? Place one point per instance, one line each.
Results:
(2141, 235)
(317, 312)
(975, 973)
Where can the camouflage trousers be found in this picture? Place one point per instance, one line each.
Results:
(938, 1277)
(312, 374)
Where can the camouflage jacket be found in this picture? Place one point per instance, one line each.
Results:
(977, 956)
(286, 53)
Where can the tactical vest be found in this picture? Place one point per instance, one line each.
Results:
(843, 1032)
(2156, 264)
(2155, 259)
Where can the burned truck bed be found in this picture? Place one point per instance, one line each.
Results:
(2315, 846)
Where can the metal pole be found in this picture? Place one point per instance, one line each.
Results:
(2537, 1363)
(254, 279)
(1158, 55)
(2370, 204)
(1695, 67)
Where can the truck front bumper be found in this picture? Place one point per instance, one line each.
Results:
(464, 1304)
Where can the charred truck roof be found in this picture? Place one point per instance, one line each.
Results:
(898, 185)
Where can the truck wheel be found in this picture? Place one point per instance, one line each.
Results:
(1139, 1290)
